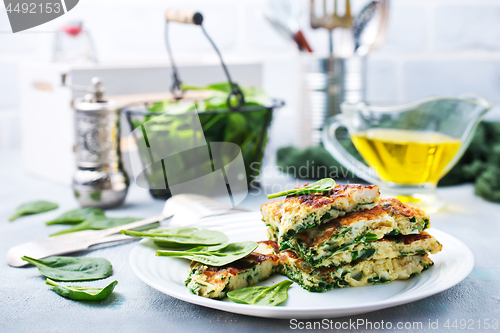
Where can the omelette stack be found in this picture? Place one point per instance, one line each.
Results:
(348, 237)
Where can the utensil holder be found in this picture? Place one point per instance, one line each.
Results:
(327, 82)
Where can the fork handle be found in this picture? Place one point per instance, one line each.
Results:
(112, 238)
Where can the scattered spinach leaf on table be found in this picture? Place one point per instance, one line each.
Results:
(34, 207)
(180, 237)
(79, 293)
(270, 296)
(77, 215)
(219, 255)
(72, 268)
(98, 223)
(321, 186)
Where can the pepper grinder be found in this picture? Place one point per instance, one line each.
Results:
(100, 180)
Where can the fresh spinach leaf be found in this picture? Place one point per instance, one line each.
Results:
(180, 237)
(98, 223)
(77, 215)
(219, 255)
(34, 207)
(269, 296)
(321, 186)
(85, 293)
(72, 268)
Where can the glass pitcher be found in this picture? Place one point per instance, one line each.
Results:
(409, 147)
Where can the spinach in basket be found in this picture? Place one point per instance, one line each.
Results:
(246, 128)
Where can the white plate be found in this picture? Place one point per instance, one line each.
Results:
(167, 275)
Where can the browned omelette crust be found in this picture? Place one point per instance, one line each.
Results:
(243, 264)
(273, 209)
(326, 230)
(317, 201)
(398, 209)
(273, 244)
(408, 239)
(392, 207)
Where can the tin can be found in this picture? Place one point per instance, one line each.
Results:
(327, 83)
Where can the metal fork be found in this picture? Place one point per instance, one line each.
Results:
(331, 22)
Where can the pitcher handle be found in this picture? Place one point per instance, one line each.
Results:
(333, 146)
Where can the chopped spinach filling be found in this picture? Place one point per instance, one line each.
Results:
(332, 245)
(378, 280)
(418, 252)
(314, 219)
(363, 254)
(394, 232)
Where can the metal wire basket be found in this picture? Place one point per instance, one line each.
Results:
(247, 128)
(244, 124)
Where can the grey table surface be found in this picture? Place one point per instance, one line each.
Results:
(28, 305)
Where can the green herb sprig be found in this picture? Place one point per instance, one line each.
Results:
(35, 207)
(268, 296)
(219, 255)
(79, 293)
(322, 186)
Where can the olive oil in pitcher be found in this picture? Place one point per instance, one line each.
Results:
(405, 156)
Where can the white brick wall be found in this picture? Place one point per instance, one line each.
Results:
(433, 46)
(438, 47)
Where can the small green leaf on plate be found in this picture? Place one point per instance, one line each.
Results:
(72, 268)
(77, 215)
(218, 255)
(79, 293)
(34, 207)
(269, 296)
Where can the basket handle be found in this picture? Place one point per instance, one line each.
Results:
(184, 16)
(191, 17)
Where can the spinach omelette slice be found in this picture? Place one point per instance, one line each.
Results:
(361, 273)
(215, 282)
(389, 217)
(298, 213)
(386, 248)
